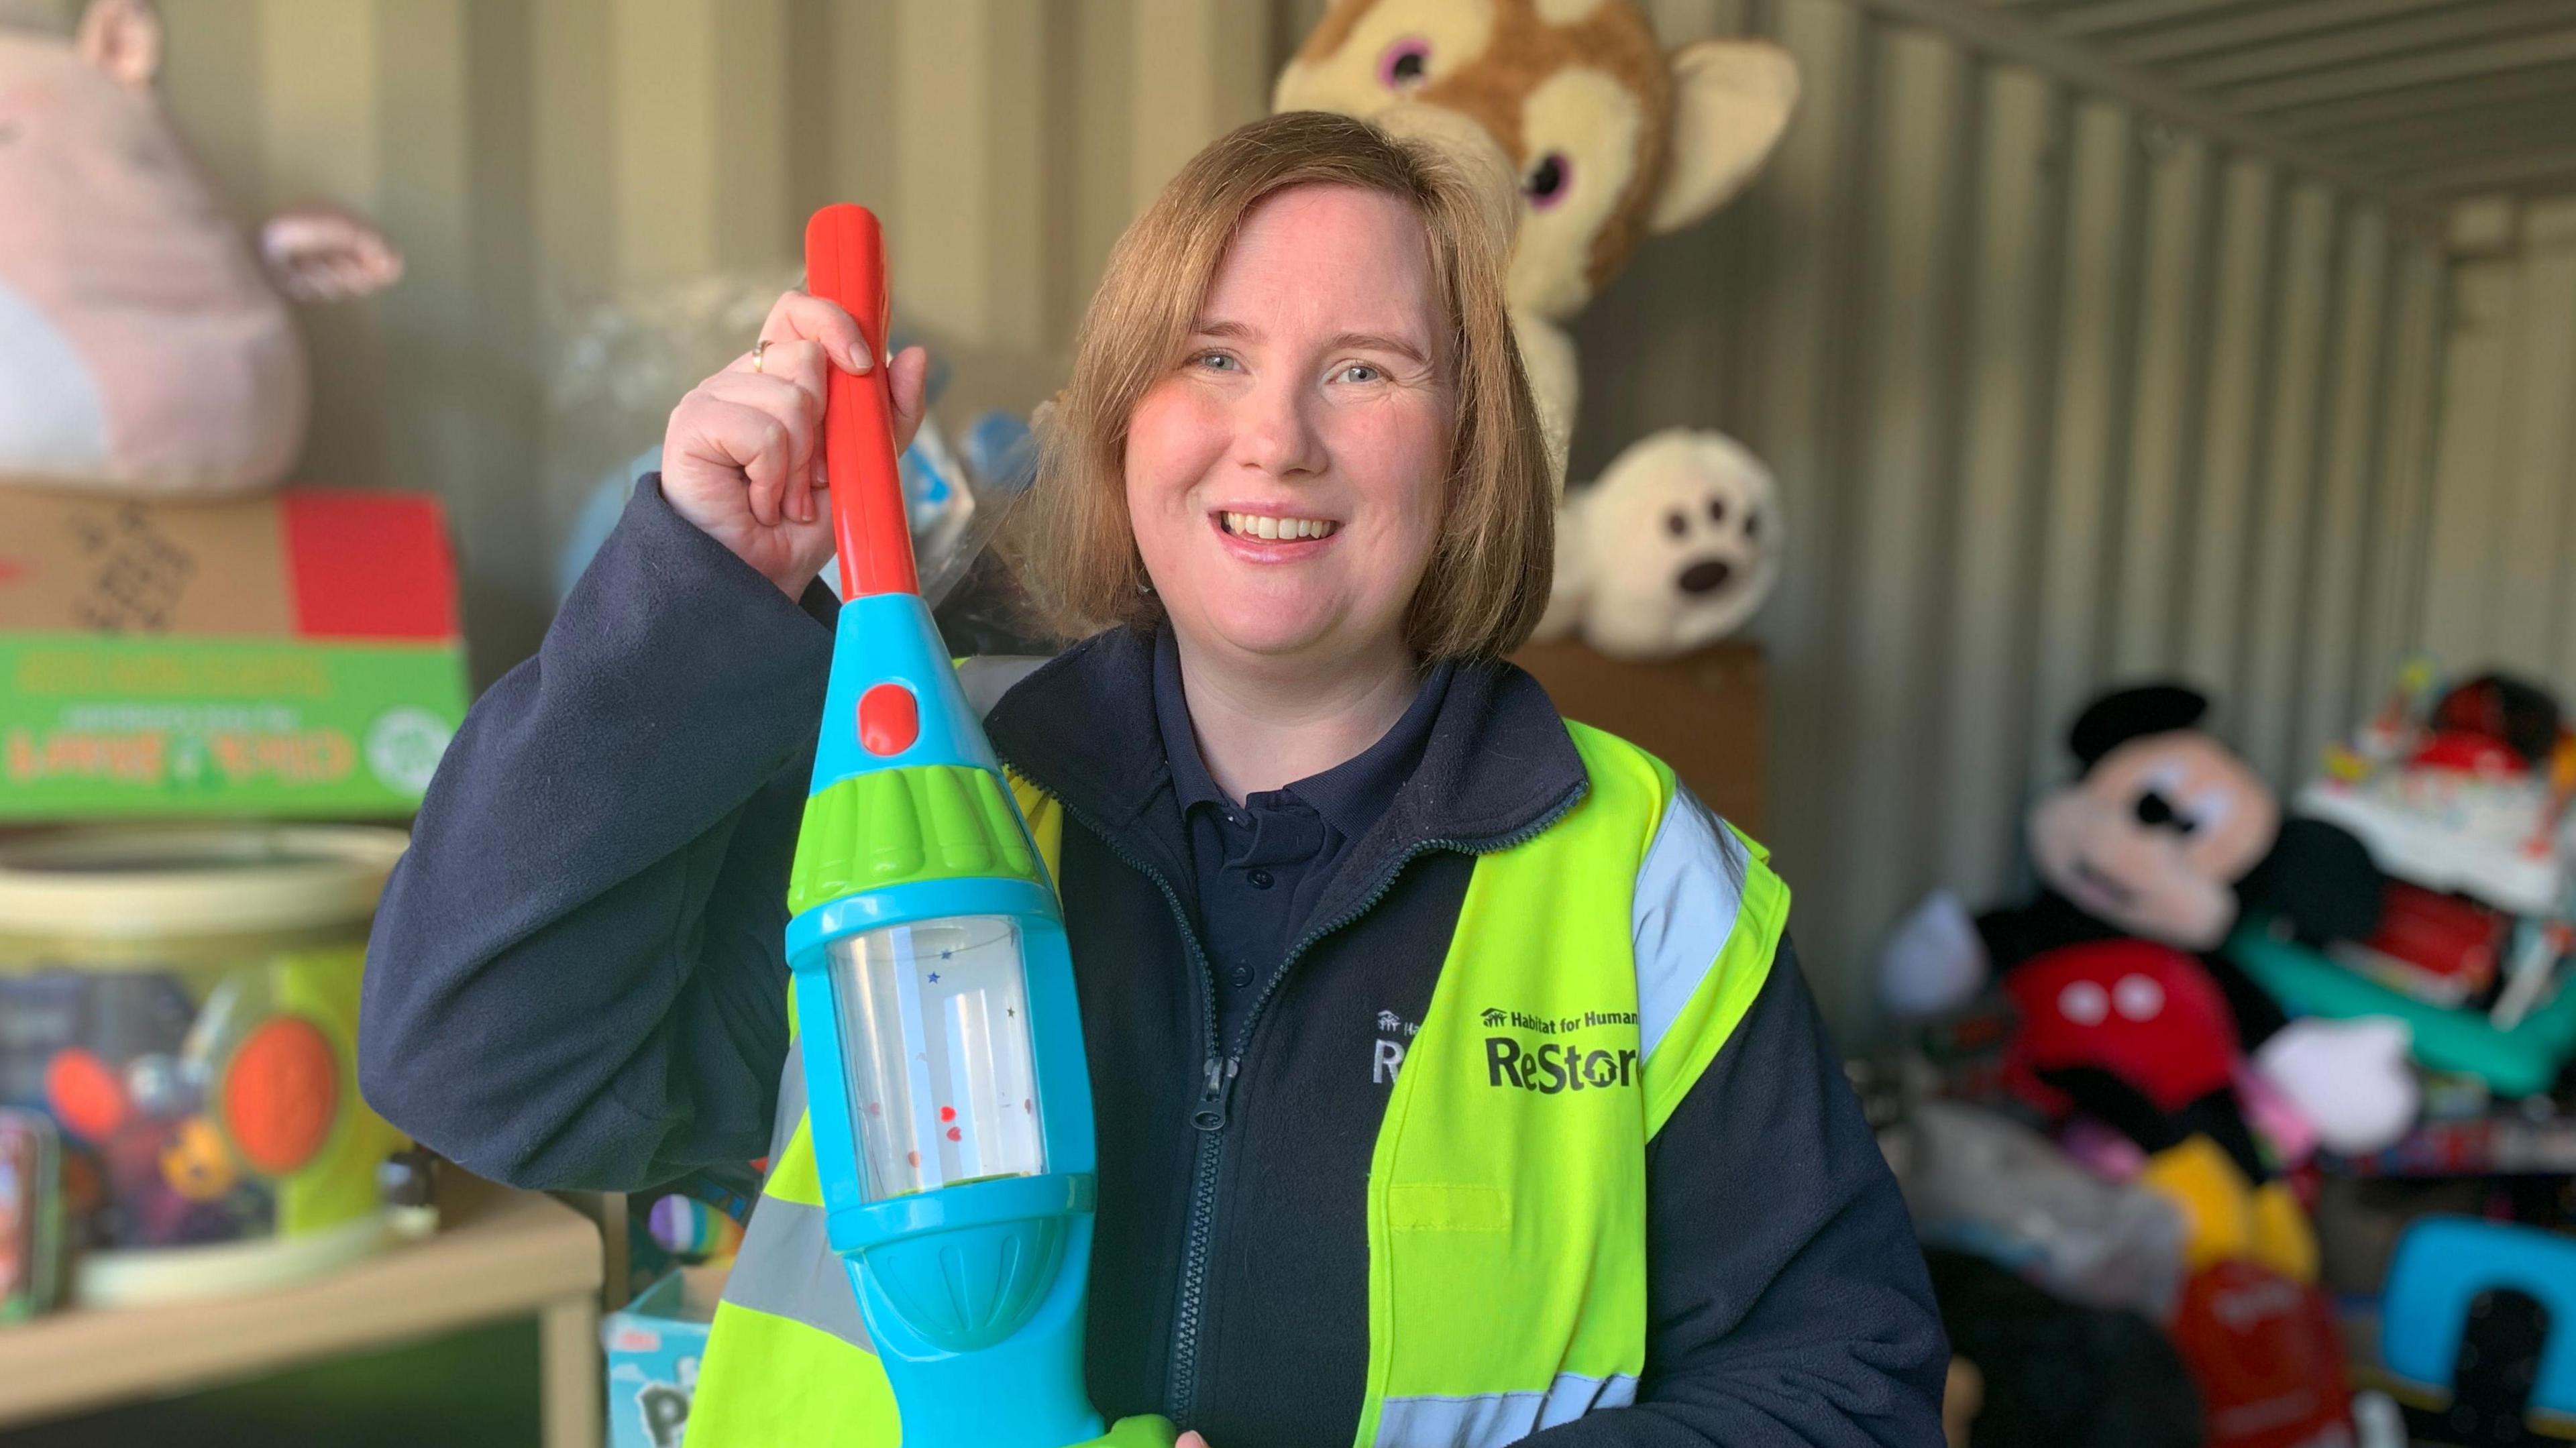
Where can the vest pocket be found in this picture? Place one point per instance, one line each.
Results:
(1447, 1207)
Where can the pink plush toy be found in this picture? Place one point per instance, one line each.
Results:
(144, 348)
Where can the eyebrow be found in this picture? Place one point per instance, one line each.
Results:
(1377, 341)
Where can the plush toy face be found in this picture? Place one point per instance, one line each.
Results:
(1681, 540)
(1610, 140)
(2155, 836)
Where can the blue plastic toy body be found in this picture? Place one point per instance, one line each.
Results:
(933, 990)
(973, 1286)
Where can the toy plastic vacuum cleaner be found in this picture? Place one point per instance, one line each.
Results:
(944, 1065)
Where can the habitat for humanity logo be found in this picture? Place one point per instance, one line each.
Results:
(1394, 1033)
(1552, 1066)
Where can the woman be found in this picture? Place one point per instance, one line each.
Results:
(1454, 1080)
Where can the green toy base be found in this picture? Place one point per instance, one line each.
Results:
(2524, 1061)
(1144, 1431)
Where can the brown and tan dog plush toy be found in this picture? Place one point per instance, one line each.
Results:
(145, 345)
(1609, 140)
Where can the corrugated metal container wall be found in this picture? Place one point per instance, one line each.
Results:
(2501, 578)
(2057, 394)
(534, 156)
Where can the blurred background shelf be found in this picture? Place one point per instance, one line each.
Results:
(501, 1254)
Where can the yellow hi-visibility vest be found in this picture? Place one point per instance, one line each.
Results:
(1506, 1293)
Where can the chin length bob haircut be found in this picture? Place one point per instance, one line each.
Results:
(1487, 580)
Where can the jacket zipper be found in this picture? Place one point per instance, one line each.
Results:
(1208, 1115)
(1214, 1109)
(1217, 1095)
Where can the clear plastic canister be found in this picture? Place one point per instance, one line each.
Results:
(934, 1034)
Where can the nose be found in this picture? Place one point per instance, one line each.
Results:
(1706, 576)
(1275, 433)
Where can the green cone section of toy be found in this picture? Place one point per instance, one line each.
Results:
(892, 826)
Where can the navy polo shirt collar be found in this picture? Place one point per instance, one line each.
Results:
(1350, 797)
(1083, 727)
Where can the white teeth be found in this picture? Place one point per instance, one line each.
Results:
(1264, 525)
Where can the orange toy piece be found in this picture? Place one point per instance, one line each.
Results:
(196, 1165)
(86, 1096)
(281, 1095)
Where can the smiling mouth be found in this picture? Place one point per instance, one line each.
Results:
(2102, 884)
(1274, 527)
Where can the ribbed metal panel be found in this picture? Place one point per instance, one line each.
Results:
(534, 155)
(2059, 395)
(2502, 573)
(2058, 391)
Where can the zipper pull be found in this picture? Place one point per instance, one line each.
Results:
(1216, 1094)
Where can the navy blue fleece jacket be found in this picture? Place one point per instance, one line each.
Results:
(576, 980)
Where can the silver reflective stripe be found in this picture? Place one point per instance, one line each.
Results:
(787, 1269)
(987, 677)
(1688, 892)
(791, 1102)
(1489, 1420)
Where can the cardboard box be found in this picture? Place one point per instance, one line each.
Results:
(295, 654)
(1701, 713)
(653, 1349)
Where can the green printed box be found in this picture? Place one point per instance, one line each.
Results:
(292, 655)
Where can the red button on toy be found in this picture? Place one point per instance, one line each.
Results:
(888, 719)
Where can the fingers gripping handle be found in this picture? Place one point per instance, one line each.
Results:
(845, 263)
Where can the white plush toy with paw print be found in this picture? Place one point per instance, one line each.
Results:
(1672, 550)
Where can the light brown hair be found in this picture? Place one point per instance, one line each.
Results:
(1487, 582)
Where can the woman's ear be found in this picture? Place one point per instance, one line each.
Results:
(2319, 880)
(1731, 101)
(122, 38)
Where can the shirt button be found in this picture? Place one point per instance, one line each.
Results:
(1242, 975)
(1260, 879)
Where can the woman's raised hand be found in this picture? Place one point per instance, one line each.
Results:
(743, 457)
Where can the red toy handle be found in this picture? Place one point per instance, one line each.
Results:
(845, 263)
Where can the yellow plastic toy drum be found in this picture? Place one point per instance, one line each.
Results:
(184, 1004)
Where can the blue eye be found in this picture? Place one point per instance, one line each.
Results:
(1213, 361)
(1371, 374)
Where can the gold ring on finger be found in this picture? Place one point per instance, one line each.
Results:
(757, 349)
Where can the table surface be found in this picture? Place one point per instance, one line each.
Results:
(499, 1254)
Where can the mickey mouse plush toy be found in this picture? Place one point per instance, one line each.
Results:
(2129, 1015)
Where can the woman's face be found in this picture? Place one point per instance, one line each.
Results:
(1286, 480)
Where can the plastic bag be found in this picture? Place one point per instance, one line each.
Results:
(1981, 1183)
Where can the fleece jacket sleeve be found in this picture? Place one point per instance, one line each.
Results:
(1787, 1299)
(576, 978)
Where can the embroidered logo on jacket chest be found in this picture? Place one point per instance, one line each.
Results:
(1394, 1033)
